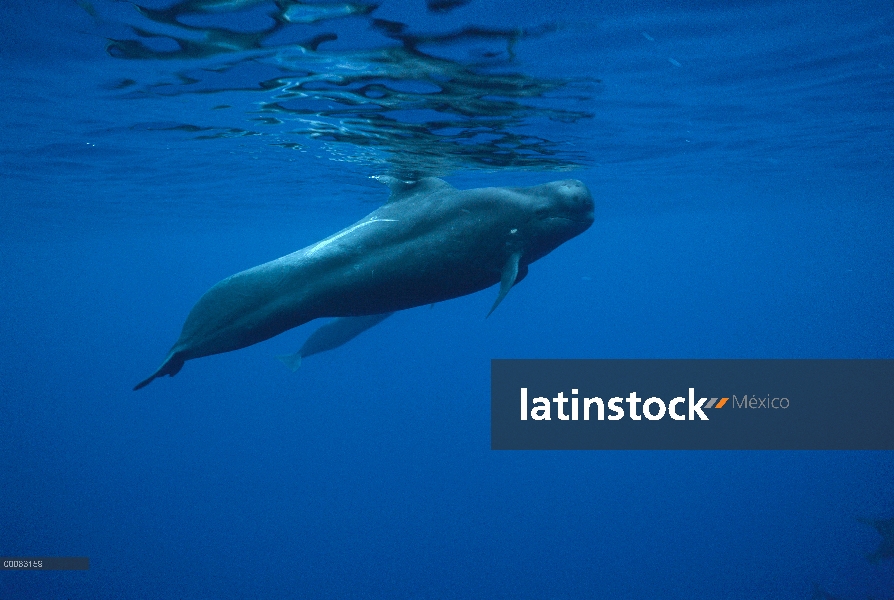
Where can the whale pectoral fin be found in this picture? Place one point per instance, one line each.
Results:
(330, 336)
(293, 361)
(510, 273)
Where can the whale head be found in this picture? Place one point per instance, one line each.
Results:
(557, 211)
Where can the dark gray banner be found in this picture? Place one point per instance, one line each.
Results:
(692, 404)
(44, 563)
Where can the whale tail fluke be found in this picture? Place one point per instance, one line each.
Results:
(170, 367)
(292, 361)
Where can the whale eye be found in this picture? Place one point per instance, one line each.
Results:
(542, 213)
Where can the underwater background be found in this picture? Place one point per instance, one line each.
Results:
(741, 156)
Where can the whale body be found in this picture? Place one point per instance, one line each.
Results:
(430, 242)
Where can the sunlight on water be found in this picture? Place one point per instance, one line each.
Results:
(419, 111)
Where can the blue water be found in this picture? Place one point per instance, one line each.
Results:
(741, 158)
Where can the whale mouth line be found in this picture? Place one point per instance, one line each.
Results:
(589, 219)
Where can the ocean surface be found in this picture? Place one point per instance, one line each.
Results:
(741, 157)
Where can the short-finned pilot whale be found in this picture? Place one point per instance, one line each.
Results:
(430, 242)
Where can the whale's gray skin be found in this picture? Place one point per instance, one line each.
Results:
(430, 242)
(332, 335)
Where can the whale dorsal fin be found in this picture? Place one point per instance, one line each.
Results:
(510, 273)
(401, 189)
